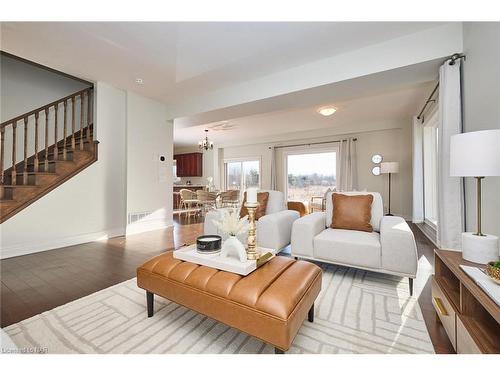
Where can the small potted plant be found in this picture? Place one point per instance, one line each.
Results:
(493, 271)
(232, 225)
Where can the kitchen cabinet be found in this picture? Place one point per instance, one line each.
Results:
(189, 165)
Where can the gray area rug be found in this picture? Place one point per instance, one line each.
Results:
(356, 312)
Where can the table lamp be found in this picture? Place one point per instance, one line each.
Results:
(477, 154)
(389, 167)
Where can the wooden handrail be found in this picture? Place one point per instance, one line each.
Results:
(18, 118)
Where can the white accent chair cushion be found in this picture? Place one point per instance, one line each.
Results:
(276, 201)
(377, 207)
(348, 247)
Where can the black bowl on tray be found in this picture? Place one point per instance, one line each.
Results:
(208, 244)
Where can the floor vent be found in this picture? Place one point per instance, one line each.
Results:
(137, 216)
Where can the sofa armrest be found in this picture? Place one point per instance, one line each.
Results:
(274, 230)
(303, 232)
(399, 250)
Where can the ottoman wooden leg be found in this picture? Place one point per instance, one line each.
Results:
(278, 351)
(310, 314)
(150, 302)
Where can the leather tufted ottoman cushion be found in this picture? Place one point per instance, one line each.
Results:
(270, 303)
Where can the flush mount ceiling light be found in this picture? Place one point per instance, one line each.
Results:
(205, 144)
(221, 126)
(327, 111)
(139, 81)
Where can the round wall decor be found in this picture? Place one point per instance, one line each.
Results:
(377, 159)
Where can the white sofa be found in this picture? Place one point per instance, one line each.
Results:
(273, 229)
(390, 248)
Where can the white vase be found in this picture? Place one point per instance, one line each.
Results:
(233, 248)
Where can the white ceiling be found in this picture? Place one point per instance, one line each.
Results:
(182, 60)
(393, 108)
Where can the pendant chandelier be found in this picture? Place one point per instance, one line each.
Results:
(205, 144)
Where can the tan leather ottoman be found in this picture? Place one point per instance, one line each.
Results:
(271, 303)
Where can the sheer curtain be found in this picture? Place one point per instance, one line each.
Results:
(347, 178)
(274, 179)
(418, 171)
(449, 189)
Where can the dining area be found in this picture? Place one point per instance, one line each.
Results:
(197, 201)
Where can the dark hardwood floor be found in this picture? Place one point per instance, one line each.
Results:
(32, 284)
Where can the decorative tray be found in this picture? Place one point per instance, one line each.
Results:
(189, 254)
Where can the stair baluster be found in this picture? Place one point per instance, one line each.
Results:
(2, 151)
(89, 118)
(65, 129)
(13, 174)
(73, 107)
(25, 169)
(56, 149)
(46, 164)
(82, 113)
(14, 198)
(36, 161)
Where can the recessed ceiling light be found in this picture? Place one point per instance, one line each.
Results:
(139, 81)
(327, 111)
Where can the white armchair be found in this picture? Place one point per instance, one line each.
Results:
(273, 229)
(390, 248)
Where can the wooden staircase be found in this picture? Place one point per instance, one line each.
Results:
(68, 148)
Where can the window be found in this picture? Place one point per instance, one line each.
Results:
(310, 174)
(430, 150)
(240, 175)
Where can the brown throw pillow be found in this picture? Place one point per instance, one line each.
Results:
(262, 198)
(352, 212)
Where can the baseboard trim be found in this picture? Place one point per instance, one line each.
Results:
(148, 225)
(36, 247)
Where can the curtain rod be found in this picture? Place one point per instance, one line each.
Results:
(310, 144)
(429, 100)
(452, 59)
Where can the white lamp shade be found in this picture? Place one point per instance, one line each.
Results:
(389, 167)
(475, 154)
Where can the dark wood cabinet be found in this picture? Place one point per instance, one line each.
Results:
(189, 165)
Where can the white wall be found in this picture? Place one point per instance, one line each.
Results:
(394, 144)
(149, 180)
(89, 206)
(482, 111)
(24, 87)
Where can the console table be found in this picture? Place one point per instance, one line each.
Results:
(470, 318)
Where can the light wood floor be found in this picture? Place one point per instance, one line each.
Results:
(34, 283)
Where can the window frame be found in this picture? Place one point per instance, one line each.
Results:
(304, 150)
(242, 160)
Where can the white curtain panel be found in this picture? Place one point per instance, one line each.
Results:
(450, 210)
(274, 179)
(418, 171)
(347, 178)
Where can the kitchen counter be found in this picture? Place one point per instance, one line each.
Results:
(188, 186)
